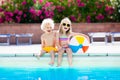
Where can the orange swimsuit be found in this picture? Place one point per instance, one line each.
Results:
(50, 48)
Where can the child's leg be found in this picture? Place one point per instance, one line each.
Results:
(69, 53)
(60, 53)
(41, 53)
(52, 57)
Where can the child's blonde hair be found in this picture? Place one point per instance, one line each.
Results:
(62, 21)
(47, 20)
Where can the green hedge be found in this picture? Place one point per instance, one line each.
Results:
(34, 11)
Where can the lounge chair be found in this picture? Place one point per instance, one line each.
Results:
(98, 35)
(7, 36)
(28, 35)
(115, 35)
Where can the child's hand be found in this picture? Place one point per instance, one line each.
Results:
(59, 48)
(65, 45)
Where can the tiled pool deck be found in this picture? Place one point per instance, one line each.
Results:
(23, 56)
(94, 49)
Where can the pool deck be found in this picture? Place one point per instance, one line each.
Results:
(98, 55)
(94, 50)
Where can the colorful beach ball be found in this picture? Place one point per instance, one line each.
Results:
(79, 44)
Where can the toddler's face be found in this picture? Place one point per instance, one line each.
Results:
(47, 27)
(65, 26)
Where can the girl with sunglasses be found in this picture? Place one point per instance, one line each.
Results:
(63, 37)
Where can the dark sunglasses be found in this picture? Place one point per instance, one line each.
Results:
(64, 24)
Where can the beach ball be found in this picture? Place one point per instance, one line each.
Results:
(79, 44)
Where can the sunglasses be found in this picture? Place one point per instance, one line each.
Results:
(64, 24)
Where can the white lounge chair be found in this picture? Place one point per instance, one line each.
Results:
(7, 36)
(115, 35)
(28, 35)
(99, 35)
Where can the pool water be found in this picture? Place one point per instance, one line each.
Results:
(59, 73)
(84, 68)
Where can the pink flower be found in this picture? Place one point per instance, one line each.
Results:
(8, 19)
(53, 8)
(20, 13)
(34, 1)
(40, 1)
(18, 19)
(48, 4)
(100, 17)
(60, 8)
(81, 4)
(16, 11)
(41, 17)
(46, 13)
(94, 12)
(109, 10)
(2, 2)
(24, 15)
(32, 11)
(24, 3)
(51, 14)
(1, 20)
(73, 18)
(88, 18)
(78, 1)
(10, 14)
(1, 9)
(69, 5)
(39, 12)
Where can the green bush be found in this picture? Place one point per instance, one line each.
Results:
(34, 11)
(116, 4)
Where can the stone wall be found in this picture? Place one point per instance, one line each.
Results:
(35, 29)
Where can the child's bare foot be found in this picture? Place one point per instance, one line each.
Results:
(51, 63)
(70, 65)
(37, 56)
(58, 65)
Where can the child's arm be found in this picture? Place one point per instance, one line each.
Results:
(42, 42)
(57, 40)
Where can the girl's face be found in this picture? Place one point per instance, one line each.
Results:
(47, 27)
(66, 26)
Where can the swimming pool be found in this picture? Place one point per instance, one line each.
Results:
(59, 73)
(84, 68)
